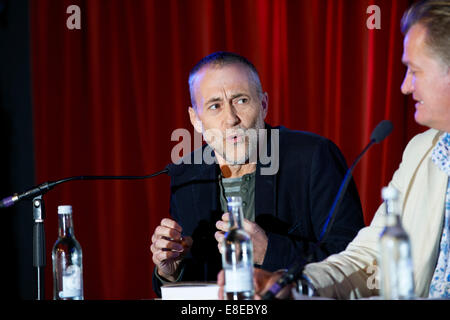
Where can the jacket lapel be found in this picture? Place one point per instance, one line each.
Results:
(205, 191)
(425, 224)
(265, 185)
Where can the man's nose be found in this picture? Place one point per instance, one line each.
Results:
(231, 116)
(407, 85)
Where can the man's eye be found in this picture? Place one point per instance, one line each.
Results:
(242, 101)
(213, 107)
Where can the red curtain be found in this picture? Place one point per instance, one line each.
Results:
(108, 96)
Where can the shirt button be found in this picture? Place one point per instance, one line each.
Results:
(244, 190)
(244, 204)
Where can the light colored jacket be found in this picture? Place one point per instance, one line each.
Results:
(422, 186)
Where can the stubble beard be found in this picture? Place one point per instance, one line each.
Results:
(232, 153)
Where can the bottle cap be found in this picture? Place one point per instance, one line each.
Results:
(389, 193)
(64, 209)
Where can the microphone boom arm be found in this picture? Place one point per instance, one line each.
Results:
(36, 194)
(340, 194)
(47, 186)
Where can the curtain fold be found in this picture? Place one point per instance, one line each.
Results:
(107, 98)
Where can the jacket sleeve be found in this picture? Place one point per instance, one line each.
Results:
(157, 281)
(326, 171)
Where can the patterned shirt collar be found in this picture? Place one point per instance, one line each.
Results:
(441, 154)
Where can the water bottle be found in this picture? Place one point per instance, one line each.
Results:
(396, 266)
(237, 255)
(67, 259)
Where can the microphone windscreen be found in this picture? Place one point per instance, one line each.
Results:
(382, 130)
(7, 202)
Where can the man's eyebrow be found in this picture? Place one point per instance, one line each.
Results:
(213, 99)
(409, 63)
(237, 95)
(219, 99)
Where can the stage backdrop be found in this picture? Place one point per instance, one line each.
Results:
(108, 96)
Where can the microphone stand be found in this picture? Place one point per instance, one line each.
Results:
(39, 244)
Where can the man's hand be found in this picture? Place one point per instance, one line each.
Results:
(169, 248)
(255, 232)
(262, 281)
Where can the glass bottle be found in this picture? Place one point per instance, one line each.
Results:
(237, 255)
(396, 266)
(67, 259)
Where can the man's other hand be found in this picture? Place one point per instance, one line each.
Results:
(168, 248)
(256, 233)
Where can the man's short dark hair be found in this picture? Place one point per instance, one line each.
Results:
(220, 59)
(434, 15)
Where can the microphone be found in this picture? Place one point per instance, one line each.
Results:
(171, 170)
(292, 274)
(381, 131)
(35, 191)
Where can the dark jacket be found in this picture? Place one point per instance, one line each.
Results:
(291, 206)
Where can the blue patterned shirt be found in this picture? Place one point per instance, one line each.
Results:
(440, 283)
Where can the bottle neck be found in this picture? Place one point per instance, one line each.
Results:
(65, 225)
(392, 212)
(236, 216)
(392, 220)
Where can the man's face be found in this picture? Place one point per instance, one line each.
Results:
(427, 79)
(227, 106)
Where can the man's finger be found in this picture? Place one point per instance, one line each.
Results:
(226, 217)
(166, 222)
(219, 235)
(251, 227)
(221, 283)
(162, 231)
(168, 245)
(221, 225)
